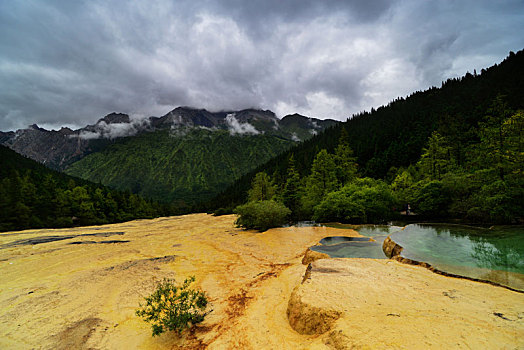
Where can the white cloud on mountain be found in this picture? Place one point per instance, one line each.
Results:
(115, 130)
(237, 128)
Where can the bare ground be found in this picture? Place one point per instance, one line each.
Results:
(79, 288)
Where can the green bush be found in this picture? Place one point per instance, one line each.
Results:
(361, 201)
(431, 199)
(173, 308)
(261, 215)
(499, 202)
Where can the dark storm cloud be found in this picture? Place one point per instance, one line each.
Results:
(71, 62)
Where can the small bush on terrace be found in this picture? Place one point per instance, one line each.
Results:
(262, 215)
(173, 308)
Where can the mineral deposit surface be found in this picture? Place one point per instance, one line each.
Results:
(79, 289)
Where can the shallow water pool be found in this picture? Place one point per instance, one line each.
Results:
(369, 246)
(495, 254)
(352, 249)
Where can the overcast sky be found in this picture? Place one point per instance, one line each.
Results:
(72, 62)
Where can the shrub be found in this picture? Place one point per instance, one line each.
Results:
(172, 307)
(361, 201)
(262, 215)
(498, 201)
(431, 199)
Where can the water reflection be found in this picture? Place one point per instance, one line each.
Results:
(495, 254)
(502, 257)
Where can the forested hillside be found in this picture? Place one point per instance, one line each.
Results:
(182, 167)
(460, 144)
(33, 196)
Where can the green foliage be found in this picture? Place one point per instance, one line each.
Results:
(502, 139)
(262, 189)
(323, 175)
(431, 199)
(292, 189)
(33, 196)
(361, 201)
(478, 179)
(402, 185)
(173, 308)
(435, 160)
(394, 135)
(261, 215)
(346, 162)
(321, 181)
(182, 168)
(501, 201)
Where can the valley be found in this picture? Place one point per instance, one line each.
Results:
(185, 157)
(181, 169)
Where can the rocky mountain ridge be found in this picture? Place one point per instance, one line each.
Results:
(58, 149)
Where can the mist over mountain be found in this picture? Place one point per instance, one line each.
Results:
(186, 156)
(58, 149)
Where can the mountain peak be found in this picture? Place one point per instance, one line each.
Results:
(36, 127)
(185, 116)
(248, 115)
(188, 108)
(114, 118)
(65, 131)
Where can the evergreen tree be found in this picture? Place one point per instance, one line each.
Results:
(494, 147)
(82, 206)
(262, 188)
(5, 204)
(435, 160)
(346, 162)
(460, 134)
(402, 185)
(99, 205)
(46, 203)
(513, 130)
(320, 182)
(32, 195)
(291, 192)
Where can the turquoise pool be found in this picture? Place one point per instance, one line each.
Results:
(369, 246)
(495, 254)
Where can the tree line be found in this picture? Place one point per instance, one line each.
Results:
(393, 136)
(468, 173)
(33, 196)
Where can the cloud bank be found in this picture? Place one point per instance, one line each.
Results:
(237, 128)
(70, 62)
(114, 130)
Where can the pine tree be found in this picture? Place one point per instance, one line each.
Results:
(82, 206)
(494, 143)
(291, 192)
(346, 163)
(262, 188)
(436, 158)
(320, 182)
(513, 129)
